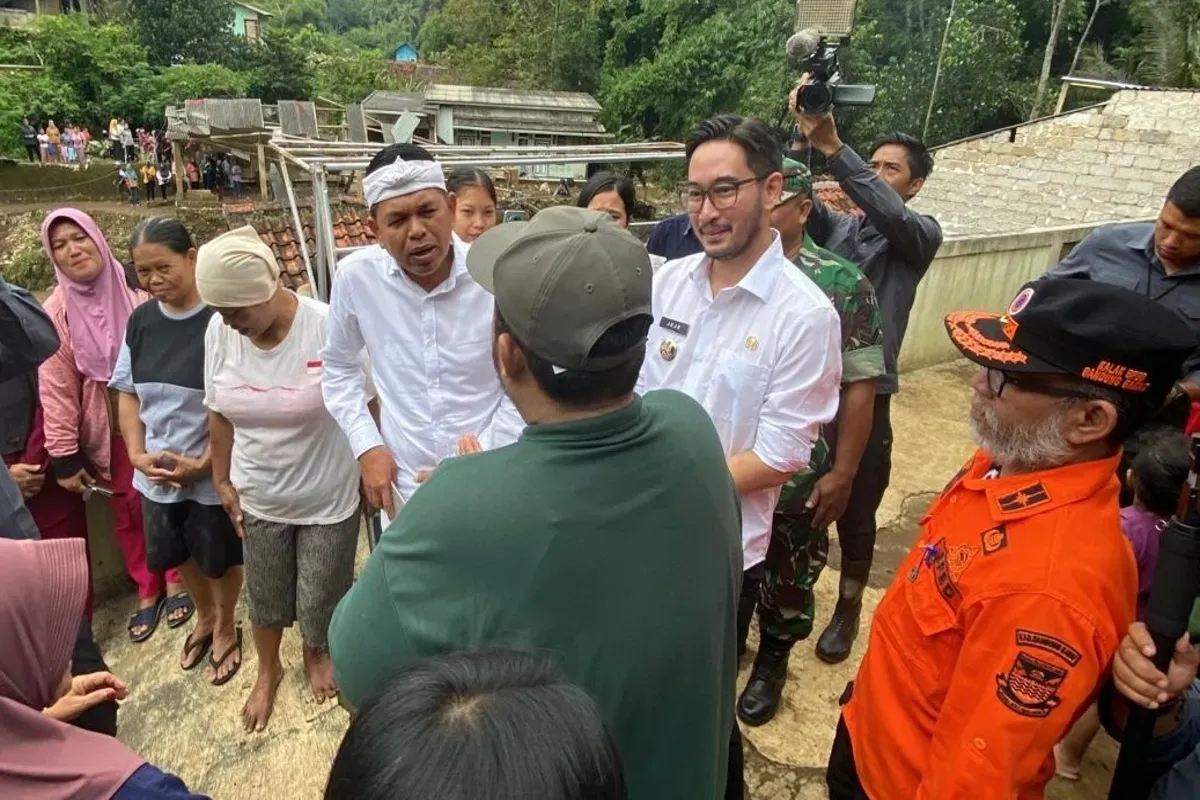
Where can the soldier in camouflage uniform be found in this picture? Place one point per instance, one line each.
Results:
(816, 496)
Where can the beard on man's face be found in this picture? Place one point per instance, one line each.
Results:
(740, 237)
(1028, 448)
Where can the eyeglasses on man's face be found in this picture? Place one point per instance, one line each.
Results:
(997, 379)
(722, 195)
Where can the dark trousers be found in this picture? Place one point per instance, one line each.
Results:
(32, 151)
(85, 660)
(751, 583)
(841, 776)
(856, 529)
(735, 782)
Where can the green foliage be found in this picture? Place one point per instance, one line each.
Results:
(281, 70)
(29, 268)
(174, 31)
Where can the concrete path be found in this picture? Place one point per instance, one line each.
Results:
(182, 724)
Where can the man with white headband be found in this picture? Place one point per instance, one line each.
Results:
(426, 326)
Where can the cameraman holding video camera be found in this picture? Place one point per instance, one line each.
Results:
(893, 246)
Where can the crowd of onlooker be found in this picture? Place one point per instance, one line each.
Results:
(49, 144)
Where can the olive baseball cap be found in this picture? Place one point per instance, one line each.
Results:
(562, 280)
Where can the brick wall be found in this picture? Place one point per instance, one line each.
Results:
(1112, 162)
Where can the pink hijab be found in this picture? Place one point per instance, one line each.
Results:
(42, 592)
(97, 311)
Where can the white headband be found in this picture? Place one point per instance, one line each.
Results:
(400, 178)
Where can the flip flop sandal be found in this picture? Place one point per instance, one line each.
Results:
(147, 616)
(176, 602)
(195, 650)
(216, 663)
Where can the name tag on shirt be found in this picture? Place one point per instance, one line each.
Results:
(675, 326)
(313, 367)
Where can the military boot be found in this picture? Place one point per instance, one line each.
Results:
(760, 700)
(833, 647)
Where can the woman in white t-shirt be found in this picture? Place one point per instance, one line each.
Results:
(282, 467)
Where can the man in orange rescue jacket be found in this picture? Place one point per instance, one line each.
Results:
(1001, 623)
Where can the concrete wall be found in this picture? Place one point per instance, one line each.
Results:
(24, 183)
(980, 273)
(1116, 161)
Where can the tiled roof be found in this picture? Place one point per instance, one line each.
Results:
(350, 230)
(832, 195)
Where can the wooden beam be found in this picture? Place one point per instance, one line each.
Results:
(1062, 96)
(262, 172)
(177, 166)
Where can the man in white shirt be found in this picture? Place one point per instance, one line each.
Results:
(426, 326)
(743, 331)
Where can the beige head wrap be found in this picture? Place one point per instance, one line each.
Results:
(236, 269)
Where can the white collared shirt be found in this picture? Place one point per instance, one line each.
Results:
(763, 358)
(431, 360)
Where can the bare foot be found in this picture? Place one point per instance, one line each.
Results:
(226, 656)
(192, 650)
(261, 702)
(320, 673)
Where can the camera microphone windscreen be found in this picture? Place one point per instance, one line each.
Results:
(802, 44)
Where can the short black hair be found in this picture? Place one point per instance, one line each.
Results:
(1133, 410)
(167, 231)
(463, 177)
(495, 723)
(577, 389)
(764, 151)
(920, 160)
(603, 182)
(389, 154)
(1185, 193)
(1160, 467)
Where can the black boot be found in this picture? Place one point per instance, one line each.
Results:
(836, 640)
(760, 700)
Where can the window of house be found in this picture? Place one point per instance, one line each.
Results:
(252, 30)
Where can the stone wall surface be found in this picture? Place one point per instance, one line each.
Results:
(1114, 161)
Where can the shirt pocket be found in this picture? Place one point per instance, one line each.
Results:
(931, 635)
(736, 392)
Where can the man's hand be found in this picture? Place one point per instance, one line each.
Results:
(149, 464)
(468, 443)
(819, 129)
(232, 503)
(829, 498)
(1137, 678)
(29, 477)
(179, 470)
(77, 483)
(87, 691)
(378, 476)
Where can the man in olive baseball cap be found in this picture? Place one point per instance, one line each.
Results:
(608, 534)
(573, 303)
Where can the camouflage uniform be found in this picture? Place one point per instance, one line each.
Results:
(798, 551)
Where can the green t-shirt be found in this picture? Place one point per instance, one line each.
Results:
(613, 543)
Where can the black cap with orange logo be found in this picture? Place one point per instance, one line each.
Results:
(1101, 333)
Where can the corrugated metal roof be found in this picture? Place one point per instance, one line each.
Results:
(393, 102)
(491, 96)
(255, 9)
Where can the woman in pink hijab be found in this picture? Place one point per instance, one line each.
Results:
(42, 757)
(89, 308)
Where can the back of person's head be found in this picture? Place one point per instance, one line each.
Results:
(1160, 468)
(920, 160)
(389, 154)
(603, 182)
(1185, 193)
(763, 150)
(459, 179)
(489, 725)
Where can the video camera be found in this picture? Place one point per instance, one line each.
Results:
(822, 26)
(826, 89)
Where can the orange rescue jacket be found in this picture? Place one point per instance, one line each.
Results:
(994, 636)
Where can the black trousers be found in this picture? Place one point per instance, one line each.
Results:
(841, 776)
(747, 601)
(87, 659)
(735, 783)
(33, 153)
(857, 529)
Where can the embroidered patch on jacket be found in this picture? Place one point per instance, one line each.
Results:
(1025, 497)
(1031, 686)
(939, 561)
(994, 540)
(1051, 644)
(957, 476)
(958, 558)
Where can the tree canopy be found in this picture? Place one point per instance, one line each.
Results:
(944, 68)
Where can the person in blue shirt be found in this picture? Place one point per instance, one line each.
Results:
(673, 238)
(42, 757)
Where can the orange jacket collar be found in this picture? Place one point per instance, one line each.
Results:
(1017, 496)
